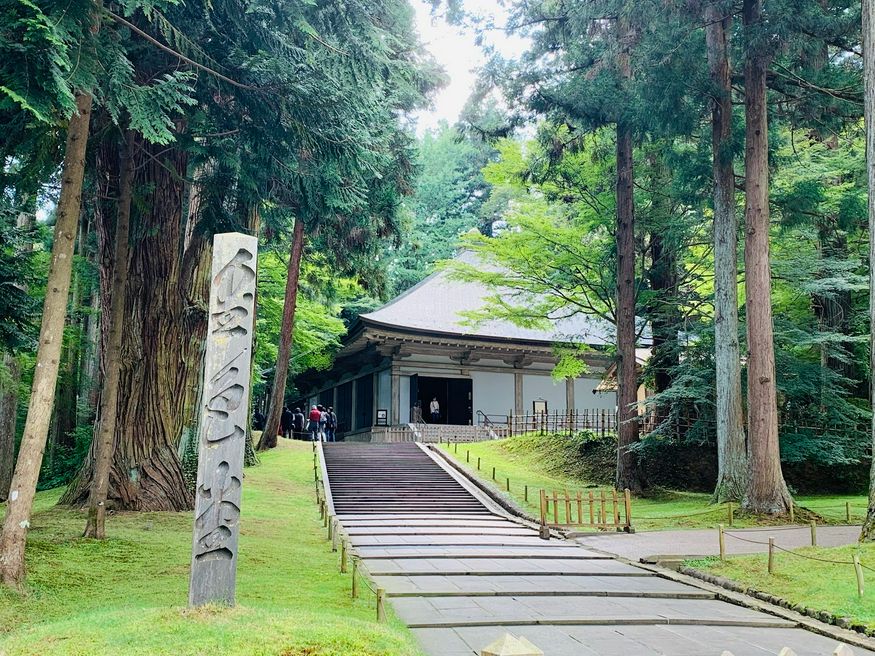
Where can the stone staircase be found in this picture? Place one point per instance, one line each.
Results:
(393, 478)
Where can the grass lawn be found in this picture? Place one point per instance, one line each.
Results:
(817, 585)
(528, 467)
(127, 595)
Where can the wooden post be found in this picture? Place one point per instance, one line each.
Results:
(334, 535)
(729, 512)
(813, 533)
(455, 447)
(771, 555)
(526, 494)
(330, 526)
(355, 578)
(493, 473)
(591, 510)
(848, 511)
(627, 498)
(343, 557)
(603, 510)
(579, 509)
(478, 463)
(543, 508)
(858, 568)
(616, 508)
(567, 508)
(467, 455)
(555, 508)
(381, 612)
(722, 540)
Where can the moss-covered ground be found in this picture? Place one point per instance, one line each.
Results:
(127, 595)
(537, 463)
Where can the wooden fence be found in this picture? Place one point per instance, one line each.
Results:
(605, 511)
(574, 421)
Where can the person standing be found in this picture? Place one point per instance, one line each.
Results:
(298, 422)
(330, 425)
(435, 409)
(286, 422)
(313, 423)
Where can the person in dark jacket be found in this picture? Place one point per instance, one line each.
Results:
(286, 422)
(298, 422)
(330, 425)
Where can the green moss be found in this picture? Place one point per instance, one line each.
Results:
(127, 594)
(580, 464)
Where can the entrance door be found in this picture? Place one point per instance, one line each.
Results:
(454, 396)
(459, 401)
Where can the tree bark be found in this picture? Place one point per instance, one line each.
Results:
(628, 471)
(30, 455)
(104, 438)
(731, 440)
(868, 532)
(766, 492)
(162, 346)
(8, 421)
(278, 391)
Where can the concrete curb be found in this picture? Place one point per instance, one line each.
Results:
(822, 616)
(741, 598)
(506, 504)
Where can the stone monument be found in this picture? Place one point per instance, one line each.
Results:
(223, 415)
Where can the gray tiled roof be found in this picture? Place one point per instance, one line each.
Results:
(436, 303)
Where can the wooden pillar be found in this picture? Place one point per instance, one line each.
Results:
(518, 393)
(569, 395)
(395, 395)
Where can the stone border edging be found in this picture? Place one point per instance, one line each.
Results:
(691, 576)
(821, 615)
(506, 504)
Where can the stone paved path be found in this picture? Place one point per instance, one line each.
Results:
(697, 542)
(461, 580)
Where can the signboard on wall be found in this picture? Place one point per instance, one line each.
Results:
(382, 417)
(539, 407)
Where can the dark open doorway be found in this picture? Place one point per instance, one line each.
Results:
(454, 395)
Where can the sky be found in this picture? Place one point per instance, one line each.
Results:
(456, 50)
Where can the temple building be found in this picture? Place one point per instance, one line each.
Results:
(418, 348)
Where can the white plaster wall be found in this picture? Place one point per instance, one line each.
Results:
(493, 392)
(584, 398)
(405, 399)
(543, 387)
(384, 390)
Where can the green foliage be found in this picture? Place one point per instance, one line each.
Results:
(19, 270)
(447, 201)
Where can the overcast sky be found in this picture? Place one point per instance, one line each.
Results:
(456, 51)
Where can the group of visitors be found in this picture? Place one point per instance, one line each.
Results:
(320, 424)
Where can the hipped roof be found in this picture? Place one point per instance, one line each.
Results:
(438, 303)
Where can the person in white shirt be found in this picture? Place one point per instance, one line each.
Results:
(435, 409)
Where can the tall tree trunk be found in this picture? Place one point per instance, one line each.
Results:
(766, 492)
(731, 440)
(33, 441)
(278, 391)
(628, 471)
(8, 420)
(868, 532)
(162, 346)
(105, 437)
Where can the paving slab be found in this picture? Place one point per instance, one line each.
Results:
(550, 609)
(705, 542)
(490, 567)
(658, 640)
(640, 586)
